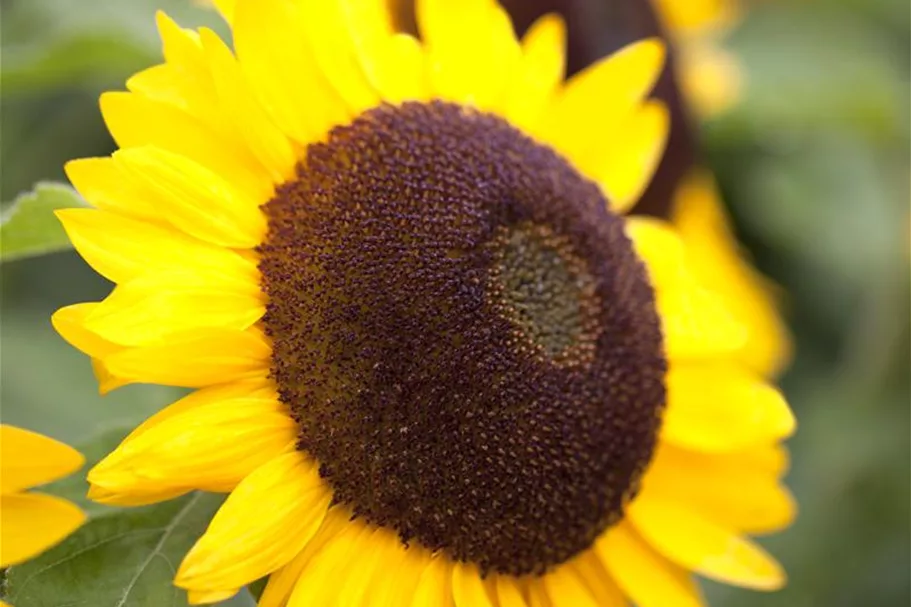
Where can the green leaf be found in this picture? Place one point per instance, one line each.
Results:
(124, 559)
(28, 227)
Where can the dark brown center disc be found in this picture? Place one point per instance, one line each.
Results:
(464, 334)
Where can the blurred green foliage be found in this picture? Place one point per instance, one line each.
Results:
(814, 164)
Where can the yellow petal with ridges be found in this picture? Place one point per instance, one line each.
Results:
(646, 577)
(694, 322)
(538, 76)
(121, 248)
(212, 447)
(342, 551)
(134, 496)
(626, 169)
(698, 544)
(29, 459)
(192, 198)
(281, 583)
(253, 388)
(135, 120)
(598, 99)
(336, 55)
(69, 322)
(196, 359)
(147, 310)
(245, 541)
(105, 186)
(30, 523)
(720, 406)
(468, 587)
(263, 138)
(271, 42)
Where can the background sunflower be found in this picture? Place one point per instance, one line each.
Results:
(813, 162)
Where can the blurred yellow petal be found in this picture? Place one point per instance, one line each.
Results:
(539, 73)
(698, 544)
(566, 589)
(29, 459)
(205, 597)
(435, 585)
(626, 169)
(695, 323)
(245, 541)
(30, 523)
(719, 406)
(714, 258)
(740, 490)
(69, 322)
(598, 99)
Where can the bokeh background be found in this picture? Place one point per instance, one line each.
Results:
(815, 167)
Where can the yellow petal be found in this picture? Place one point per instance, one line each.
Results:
(263, 138)
(566, 589)
(537, 595)
(335, 54)
(28, 459)
(105, 186)
(135, 120)
(147, 310)
(589, 568)
(282, 582)
(258, 388)
(711, 78)
(601, 97)
(722, 407)
(226, 8)
(696, 543)
(739, 490)
(200, 358)
(342, 551)
(508, 591)
(539, 73)
(627, 167)
(30, 523)
(468, 587)
(245, 541)
(475, 73)
(194, 199)
(435, 585)
(211, 447)
(205, 597)
(398, 74)
(695, 323)
(646, 577)
(714, 258)
(134, 496)
(120, 248)
(107, 381)
(271, 42)
(69, 322)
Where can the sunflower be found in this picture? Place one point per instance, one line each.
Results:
(30, 523)
(435, 361)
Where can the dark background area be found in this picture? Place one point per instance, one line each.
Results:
(815, 167)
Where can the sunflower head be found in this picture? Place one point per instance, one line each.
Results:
(422, 328)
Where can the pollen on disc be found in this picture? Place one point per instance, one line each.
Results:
(464, 335)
